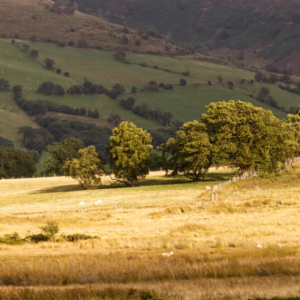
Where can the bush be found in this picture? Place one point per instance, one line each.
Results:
(67, 74)
(182, 82)
(11, 239)
(78, 236)
(58, 71)
(133, 90)
(209, 82)
(186, 73)
(38, 238)
(50, 229)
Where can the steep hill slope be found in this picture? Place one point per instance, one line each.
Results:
(42, 20)
(268, 29)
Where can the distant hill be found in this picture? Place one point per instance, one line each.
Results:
(261, 28)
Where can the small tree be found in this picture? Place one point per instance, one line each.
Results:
(49, 63)
(133, 90)
(129, 152)
(58, 71)
(182, 82)
(220, 78)
(17, 90)
(230, 85)
(67, 74)
(34, 53)
(4, 85)
(50, 229)
(87, 168)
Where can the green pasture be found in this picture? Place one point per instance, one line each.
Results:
(102, 103)
(11, 118)
(203, 71)
(189, 104)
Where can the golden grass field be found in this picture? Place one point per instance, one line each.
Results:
(214, 243)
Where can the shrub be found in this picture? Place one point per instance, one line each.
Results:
(133, 90)
(182, 82)
(49, 63)
(50, 229)
(186, 73)
(34, 53)
(11, 239)
(71, 44)
(67, 74)
(78, 236)
(58, 71)
(38, 238)
(209, 82)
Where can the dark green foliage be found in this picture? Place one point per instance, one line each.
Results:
(4, 85)
(35, 139)
(133, 90)
(17, 90)
(78, 236)
(163, 118)
(58, 71)
(265, 97)
(93, 114)
(60, 153)
(230, 85)
(5, 143)
(36, 238)
(209, 82)
(114, 119)
(14, 163)
(89, 134)
(34, 53)
(182, 82)
(49, 63)
(220, 79)
(186, 73)
(49, 88)
(67, 74)
(167, 87)
(128, 103)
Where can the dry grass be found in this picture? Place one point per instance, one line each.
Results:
(215, 243)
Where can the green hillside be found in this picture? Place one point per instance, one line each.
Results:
(100, 67)
(271, 28)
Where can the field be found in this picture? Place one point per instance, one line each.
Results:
(214, 243)
(185, 103)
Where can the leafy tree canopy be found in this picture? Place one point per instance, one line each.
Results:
(129, 152)
(60, 153)
(14, 163)
(87, 168)
(190, 153)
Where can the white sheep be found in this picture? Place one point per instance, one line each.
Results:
(259, 246)
(167, 254)
(81, 203)
(208, 188)
(98, 202)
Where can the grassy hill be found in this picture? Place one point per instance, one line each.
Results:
(271, 28)
(184, 102)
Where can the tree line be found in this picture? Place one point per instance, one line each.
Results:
(235, 134)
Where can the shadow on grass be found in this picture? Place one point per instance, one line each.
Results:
(211, 179)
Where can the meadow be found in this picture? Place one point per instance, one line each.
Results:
(214, 243)
(185, 103)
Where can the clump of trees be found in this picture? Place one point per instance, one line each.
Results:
(87, 88)
(265, 97)
(236, 134)
(272, 79)
(49, 88)
(14, 163)
(162, 118)
(4, 85)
